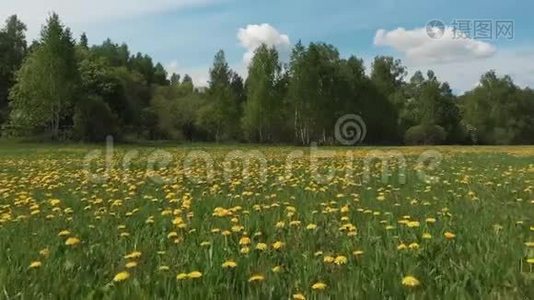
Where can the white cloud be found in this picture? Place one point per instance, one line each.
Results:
(72, 12)
(418, 47)
(252, 36)
(465, 75)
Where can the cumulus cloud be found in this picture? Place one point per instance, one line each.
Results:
(418, 47)
(252, 36)
(465, 75)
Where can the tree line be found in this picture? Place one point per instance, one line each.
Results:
(59, 88)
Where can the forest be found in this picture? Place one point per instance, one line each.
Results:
(62, 88)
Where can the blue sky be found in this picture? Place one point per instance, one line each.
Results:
(185, 34)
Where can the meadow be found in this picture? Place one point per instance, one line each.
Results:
(185, 222)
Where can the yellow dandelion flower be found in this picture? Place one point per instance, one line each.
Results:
(244, 241)
(229, 264)
(402, 247)
(357, 253)
(256, 278)
(35, 265)
(277, 269)
(319, 286)
(131, 264)
(177, 221)
(194, 275)
(64, 233)
(44, 252)
(426, 236)
(299, 296)
(133, 255)
(311, 226)
(413, 224)
(261, 246)
(328, 259)
(181, 276)
(72, 241)
(410, 281)
(413, 246)
(121, 276)
(278, 245)
(449, 235)
(340, 260)
(163, 268)
(530, 261)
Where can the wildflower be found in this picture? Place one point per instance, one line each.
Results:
(121, 276)
(427, 236)
(277, 269)
(449, 235)
(54, 202)
(413, 246)
(402, 247)
(357, 253)
(63, 233)
(413, 224)
(298, 296)
(245, 250)
(181, 276)
(177, 221)
(328, 259)
(319, 286)
(44, 252)
(163, 268)
(257, 277)
(244, 240)
(229, 264)
(529, 244)
(278, 245)
(131, 264)
(340, 260)
(133, 255)
(430, 220)
(311, 226)
(410, 281)
(237, 228)
(261, 246)
(530, 261)
(72, 241)
(194, 275)
(35, 265)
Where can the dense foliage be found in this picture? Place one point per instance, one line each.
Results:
(58, 88)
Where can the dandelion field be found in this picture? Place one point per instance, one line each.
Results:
(273, 233)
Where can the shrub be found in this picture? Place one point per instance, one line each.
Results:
(428, 134)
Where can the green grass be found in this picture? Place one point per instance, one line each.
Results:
(484, 195)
